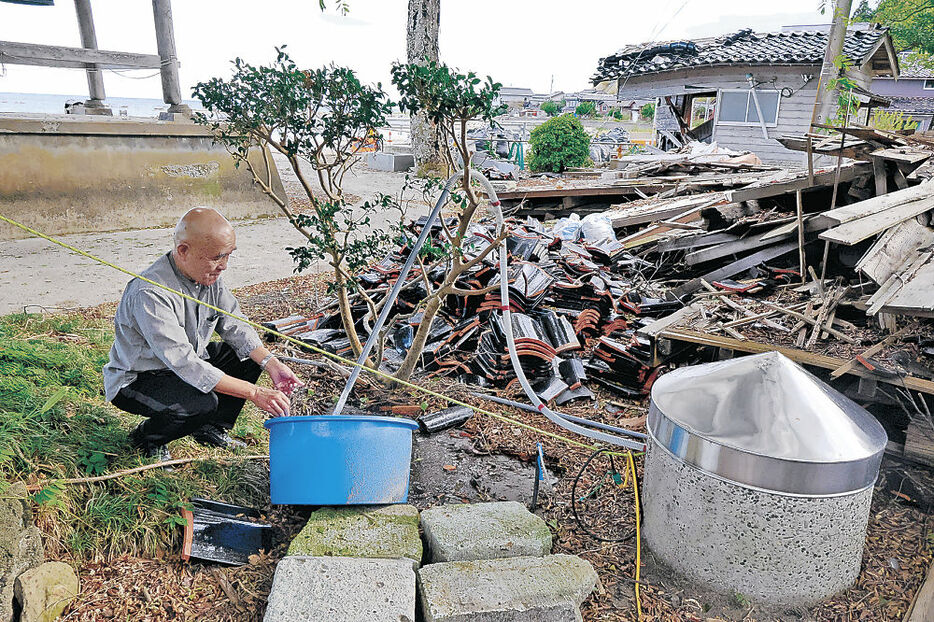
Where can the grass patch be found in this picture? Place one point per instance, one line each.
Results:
(55, 424)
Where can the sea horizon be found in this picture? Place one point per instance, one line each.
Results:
(46, 103)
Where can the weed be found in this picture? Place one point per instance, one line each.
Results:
(55, 424)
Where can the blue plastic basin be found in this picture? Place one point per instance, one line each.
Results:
(339, 460)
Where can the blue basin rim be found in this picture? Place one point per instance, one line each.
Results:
(352, 418)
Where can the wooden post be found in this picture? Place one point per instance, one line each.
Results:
(804, 274)
(810, 162)
(165, 42)
(95, 104)
(879, 175)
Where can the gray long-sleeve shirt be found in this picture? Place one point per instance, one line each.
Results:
(158, 330)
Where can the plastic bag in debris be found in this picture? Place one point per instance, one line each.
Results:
(568, 229)
(597, 228)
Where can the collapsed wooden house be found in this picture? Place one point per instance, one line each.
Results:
(750, 88)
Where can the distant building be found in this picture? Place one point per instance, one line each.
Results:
(912, 93)
(515, 98)
(736, 76)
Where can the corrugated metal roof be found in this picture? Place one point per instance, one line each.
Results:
(740, 48)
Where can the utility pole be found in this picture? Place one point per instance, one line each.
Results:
(826, 99)
(95, 104)
(421, 48)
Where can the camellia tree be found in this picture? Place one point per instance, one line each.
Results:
(450, 100)
(320, 118)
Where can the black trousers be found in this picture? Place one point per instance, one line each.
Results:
(174, 408)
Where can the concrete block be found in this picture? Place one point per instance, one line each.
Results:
(484, 531)
(392, 162)
(44, 591)
(342, 589)
(518, 589)
(389, 531)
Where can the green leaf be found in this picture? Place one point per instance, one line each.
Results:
(53, 400)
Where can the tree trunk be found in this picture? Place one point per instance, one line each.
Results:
(421, 336)
(421, 48)
(826, 102)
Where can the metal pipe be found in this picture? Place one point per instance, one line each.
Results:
(580, 420)
(394, 292)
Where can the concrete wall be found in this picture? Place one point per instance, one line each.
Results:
(63, 174)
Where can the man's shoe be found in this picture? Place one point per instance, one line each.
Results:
(160, 453)
(216, 436)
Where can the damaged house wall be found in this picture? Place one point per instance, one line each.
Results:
(782, 68)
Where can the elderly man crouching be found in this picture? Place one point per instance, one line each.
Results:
(163, 364)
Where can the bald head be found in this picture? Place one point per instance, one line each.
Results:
(204, 241)
(200, 223)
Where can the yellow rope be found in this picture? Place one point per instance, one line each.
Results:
(376, 372)
(302, 344)
(635, 492)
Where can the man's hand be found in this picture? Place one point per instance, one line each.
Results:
(282, 377)
(271, 400)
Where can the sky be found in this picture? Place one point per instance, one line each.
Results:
(523, 43)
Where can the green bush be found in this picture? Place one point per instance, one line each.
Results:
(647, 111)
(617, 114)
(558, 144)
(551, 108)
(585, 109)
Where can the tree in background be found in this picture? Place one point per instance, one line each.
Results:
(551, 108)
(422, 48)
(558, 144)
(647, 111)
(910, 22)
(585, 109)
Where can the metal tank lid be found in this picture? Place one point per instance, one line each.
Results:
(764, 422)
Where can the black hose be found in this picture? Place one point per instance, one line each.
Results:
(577, 478)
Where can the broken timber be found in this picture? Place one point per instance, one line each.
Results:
(799, 356)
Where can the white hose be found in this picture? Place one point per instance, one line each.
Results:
(507, 317)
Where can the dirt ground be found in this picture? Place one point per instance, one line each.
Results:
(36, 272)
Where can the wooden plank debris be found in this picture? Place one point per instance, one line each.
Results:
(864, 228)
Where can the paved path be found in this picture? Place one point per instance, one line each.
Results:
(36, 272)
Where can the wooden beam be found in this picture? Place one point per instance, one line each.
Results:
(733, 268)
(856, 231)
(922, 607)
(826, 178)
(879, 174)
(59, 56)
(799, 356)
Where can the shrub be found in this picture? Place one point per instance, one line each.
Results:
(551, 108)
(647, 111)
(617, 114)
(558, 144)
(585, 109)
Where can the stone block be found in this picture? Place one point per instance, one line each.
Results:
(517, 589)
(484, 531)
(44, 591)
(20, 544)
(391, 162)
(389, 531)
(342, 589)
